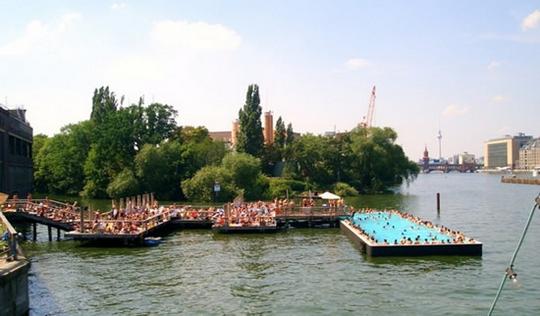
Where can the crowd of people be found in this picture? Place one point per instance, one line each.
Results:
(128, 220)
(255, 214)
(437, 234)
(64, 213)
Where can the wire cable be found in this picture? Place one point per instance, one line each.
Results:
(509, 273)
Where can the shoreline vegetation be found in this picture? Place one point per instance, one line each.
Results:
(122, 150)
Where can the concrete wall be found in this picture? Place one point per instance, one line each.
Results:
(14, 288)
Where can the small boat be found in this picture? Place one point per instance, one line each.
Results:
(152, 241)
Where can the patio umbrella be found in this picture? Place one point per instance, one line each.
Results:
(329, 196)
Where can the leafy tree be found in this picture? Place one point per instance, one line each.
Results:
(124, 184)
(113, 150)
(245, 170)
(40, 179)
(343, 189)
(290, 135)
(250, 136)
(280, 133)
(198, 149)
(278, 187)
(160, 169)
(200, 187)
(59, 162)
(103, 103)
(308, 162)
(152, 124)
(378, 162)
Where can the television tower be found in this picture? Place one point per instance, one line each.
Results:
(439, 137)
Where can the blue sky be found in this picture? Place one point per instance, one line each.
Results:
(471, 67)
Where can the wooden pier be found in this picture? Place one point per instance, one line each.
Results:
(312, 217)
(146, 228)
(518, 180)
(90, 227)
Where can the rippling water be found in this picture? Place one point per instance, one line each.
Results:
(305, 271)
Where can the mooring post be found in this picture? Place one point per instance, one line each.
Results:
(82, 220)
(34, 231)
(438, 202)
(49, 228)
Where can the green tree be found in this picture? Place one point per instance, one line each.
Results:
(200, 187)
(152, 124)
(280, 133)
(124, 184)
(38, 142)
(198, 149)
(308, 160)
(378, 162)
(160, 169)
(103, 103)
(112, 150)
(59, 163)
(245, 170)
(250, 136)
(279, 187)
(290, 135)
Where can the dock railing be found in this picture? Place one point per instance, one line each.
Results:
(143, 225)
(314, 211)
(10, 235)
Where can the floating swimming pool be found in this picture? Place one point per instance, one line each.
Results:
(392, 228)
(387, 233)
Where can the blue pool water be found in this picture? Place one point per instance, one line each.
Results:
(392, 227)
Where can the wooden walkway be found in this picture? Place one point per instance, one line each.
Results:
(148, 227)
(67, 218)
(312, 217)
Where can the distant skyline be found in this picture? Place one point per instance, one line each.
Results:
(468, 68)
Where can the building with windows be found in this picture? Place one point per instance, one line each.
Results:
(16, 170)
(504, 152)
(529, 155)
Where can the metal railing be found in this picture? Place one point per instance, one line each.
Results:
(11, 234)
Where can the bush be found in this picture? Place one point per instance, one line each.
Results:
(343, 189)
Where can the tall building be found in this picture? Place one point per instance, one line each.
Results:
(16, 170)
(504, 152)
(268, 128)
(529, 155)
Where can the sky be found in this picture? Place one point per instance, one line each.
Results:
(468, 68)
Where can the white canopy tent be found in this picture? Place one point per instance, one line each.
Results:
(329, 196)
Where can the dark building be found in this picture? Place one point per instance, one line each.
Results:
(16, 171)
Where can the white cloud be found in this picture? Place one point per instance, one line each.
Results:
(38, 35)
(493, 65)
(199, 36)
(531, 21)
(357, 63)
(118, 5)
(498, 98)
(453, 110)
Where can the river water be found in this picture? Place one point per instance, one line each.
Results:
(306, 271)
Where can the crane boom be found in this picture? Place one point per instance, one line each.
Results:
(368, 119)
